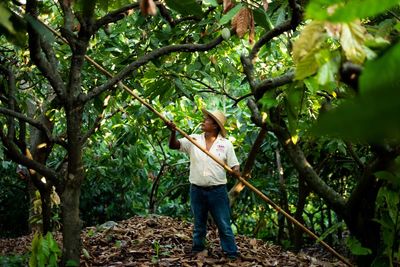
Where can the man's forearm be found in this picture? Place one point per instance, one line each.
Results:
(173, 142)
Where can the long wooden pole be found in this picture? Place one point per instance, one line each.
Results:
(226, 167)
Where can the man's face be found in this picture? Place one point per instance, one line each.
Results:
(208, 124)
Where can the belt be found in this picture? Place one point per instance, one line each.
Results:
(208, 188)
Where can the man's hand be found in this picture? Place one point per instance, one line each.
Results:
(236, 170)
(171, 125)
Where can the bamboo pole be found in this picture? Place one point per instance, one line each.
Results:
(226, 167)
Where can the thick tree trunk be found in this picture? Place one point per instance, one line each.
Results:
(72, 189)
(360, 221)
(71, 224)
(361, 204)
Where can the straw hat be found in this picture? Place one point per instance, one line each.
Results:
(219, 117)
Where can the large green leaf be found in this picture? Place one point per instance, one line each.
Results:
(373, 115)
(261, 18)
(229, 15)
(346, 11)
(5, 16)
(186, 7)
(294, 102)
(356, 248)
(352, 40)
(306, 47)
(40, 29)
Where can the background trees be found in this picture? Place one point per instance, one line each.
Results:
(303, 88)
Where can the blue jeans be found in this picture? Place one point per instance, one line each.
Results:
(216, 202)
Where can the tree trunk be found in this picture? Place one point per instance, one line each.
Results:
(70, 197)
(40, 149)
(301, 202)
(45, 196)
(362, 202)
(283, 202)
(71, 224)
(154, 189)
(361, 223)
(234, 192)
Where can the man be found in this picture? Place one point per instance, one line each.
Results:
(208, 191)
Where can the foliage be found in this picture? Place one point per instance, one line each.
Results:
(388, 216)
(45, 251)
(356, 248)
(14, 202)
(376, 104)
(14, 260)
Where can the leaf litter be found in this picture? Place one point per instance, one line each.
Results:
(164, 241)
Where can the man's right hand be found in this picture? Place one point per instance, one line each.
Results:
(171, 125)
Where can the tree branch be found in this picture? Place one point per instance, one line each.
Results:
(34, 123)
(335, 200)
(354, 155)
(11, 99)
(147, 58)
(114, 16)
(13, 151)
(251, 159)
(35, 47)
(382, 160)
(272, 83)
(68, 15)
(278, 30)
(248, 67)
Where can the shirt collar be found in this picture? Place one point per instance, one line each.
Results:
(219, 137)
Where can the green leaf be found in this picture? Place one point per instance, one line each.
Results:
(331, 230)
(231, 13)
(388, 176)
(312, 84)
(5, 16)
(352, 40)
(293, 106)
(261, 19)
(210, 79)
(392, 200)
(347, 11)
(306, 47)
(186, 7)
(356, 248)
(329, 66)
(211, 2)
(387, 81)
(268, 100)
(45, 33)
(306, 67)
(376, 105)
(72, 263)
(359, 9)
